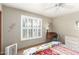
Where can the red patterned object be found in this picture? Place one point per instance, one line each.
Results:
(47, 52)
(57, 50)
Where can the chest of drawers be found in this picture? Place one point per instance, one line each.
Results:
(72, 43)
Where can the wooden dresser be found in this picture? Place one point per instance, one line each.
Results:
(50, 36)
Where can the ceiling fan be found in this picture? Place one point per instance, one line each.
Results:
(58, 5)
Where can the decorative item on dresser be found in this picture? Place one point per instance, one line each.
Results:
(50, 36)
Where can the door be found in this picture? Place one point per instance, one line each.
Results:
(0, 32)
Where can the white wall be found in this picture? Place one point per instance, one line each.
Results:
(13, 35)
(65, 25)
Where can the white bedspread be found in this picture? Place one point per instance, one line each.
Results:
(32, 50)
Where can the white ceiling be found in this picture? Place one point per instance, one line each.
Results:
(46, 8)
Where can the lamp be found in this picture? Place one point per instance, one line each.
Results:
(47, 27)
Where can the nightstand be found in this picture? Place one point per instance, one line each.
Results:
(51, 36)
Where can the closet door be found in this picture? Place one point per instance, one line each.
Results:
(0, 32)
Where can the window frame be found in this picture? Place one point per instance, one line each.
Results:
(31, 28)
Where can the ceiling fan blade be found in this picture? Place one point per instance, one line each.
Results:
(67, 6)
(56, 10)
(47, 8)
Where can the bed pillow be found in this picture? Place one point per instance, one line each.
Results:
(44, 46)
(30, 51)
(55, 42)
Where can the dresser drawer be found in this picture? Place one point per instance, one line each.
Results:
(72, 42)
(72, 46)
(76, 48)
(72, 39)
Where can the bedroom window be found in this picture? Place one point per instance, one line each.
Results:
(31, 27)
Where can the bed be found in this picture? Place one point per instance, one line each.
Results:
(57, 50)
(51, 48)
